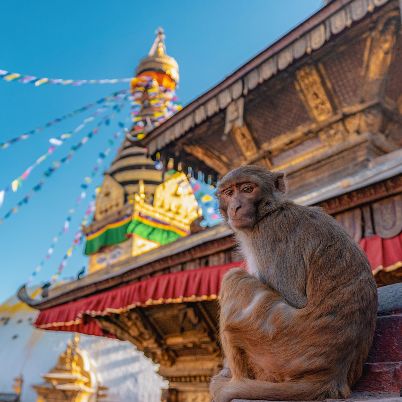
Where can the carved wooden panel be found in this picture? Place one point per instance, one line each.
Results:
(313, 93)
(368, 223)
(387, 216)
(208, 158)
(352, 223)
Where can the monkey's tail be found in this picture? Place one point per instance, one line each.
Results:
(285, 391)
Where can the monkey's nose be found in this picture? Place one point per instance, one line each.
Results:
(236, 208)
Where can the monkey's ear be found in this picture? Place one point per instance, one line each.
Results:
(280, 182)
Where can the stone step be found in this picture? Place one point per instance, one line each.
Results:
(381, 377)
(387, 343)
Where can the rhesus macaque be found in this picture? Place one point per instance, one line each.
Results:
(299, 324)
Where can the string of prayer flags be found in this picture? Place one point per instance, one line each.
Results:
(55, 142)
(57, 164)
(9, 76)
(78, 237)
(53, 244)
(205, 194)
(152, 104)
(105, 100)
(16, 183)
(85, 183)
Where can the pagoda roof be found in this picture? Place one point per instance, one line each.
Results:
(305, 39)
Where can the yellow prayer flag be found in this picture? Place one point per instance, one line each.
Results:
(41, 81)
(15, 184)
(12, 76)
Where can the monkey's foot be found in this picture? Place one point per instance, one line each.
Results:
(223, 392)
(218, 382)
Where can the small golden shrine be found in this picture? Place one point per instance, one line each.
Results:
(169, 217)
(150, 225)
(70, 380)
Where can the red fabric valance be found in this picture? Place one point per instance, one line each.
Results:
(77, 316)
(194, 285)
(383, 254)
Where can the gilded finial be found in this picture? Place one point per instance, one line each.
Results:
(75, 341)
(158, 61)
(158, 47)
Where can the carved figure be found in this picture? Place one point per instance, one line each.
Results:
(299, 324)
(313, 93)
(382, 47)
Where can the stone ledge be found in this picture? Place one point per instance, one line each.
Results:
(355, 397)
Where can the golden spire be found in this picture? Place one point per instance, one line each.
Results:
(158, 61)
(71, 378)
(158, 47)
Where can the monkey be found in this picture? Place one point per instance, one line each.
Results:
(298, 323)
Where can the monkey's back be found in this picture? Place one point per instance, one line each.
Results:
(331, 335)
(342, 296)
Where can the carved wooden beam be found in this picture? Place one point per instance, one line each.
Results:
(219, 163)
(363, 196)
(162, 354)
(313, 93)
(139, 334)
(245, 141)
(235, 125)
(112, 326)
(210, 323)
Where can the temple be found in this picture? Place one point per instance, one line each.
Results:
(323, 104)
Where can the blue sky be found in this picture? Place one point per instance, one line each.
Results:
(95, 39)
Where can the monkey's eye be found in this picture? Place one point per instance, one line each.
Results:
(228, 192)
(248, 188)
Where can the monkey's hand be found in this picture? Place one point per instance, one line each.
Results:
(238, 282)
(225, 372)
(246, 302)
(237, 292)
(218, 382)
(232, 278)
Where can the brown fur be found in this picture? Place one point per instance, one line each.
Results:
(298, 326)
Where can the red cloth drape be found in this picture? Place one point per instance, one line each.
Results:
(194, 285)
(383, 254)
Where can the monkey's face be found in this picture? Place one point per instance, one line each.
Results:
(238, 203)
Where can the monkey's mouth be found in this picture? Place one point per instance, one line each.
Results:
(241, 222)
